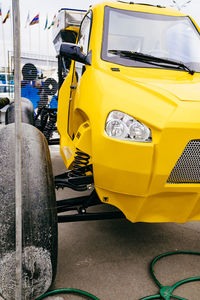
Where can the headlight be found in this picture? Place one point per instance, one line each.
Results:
(122, 126)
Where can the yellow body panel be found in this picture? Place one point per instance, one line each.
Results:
(130, 175)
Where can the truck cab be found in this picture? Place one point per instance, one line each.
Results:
(129, 105)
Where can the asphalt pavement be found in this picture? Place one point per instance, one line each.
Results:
(111, 258)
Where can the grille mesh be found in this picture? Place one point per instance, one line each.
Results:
(187, 168)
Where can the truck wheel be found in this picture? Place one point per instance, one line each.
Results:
(39, 214)
(26, 110)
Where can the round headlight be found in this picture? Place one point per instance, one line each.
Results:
(116, 128)
(123, 126)
(139, 132)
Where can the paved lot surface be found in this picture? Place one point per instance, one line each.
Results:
(110, 259)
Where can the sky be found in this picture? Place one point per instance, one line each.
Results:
(35, 39)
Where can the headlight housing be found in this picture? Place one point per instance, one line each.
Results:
(122, 126)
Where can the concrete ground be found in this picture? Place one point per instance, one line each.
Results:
(110, 259)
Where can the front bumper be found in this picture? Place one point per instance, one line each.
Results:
(135, 176)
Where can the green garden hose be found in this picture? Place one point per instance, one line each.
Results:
(69, 291)
(165, 292)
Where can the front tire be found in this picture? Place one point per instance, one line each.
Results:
(27, 112)
(39, 214)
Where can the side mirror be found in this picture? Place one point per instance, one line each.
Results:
(73, 51)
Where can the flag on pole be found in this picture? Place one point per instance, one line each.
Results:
(53, 22)
(6, 17)
(27, 20)
(35, 20)
(46, 23)
(0, 10)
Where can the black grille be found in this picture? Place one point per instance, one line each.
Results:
(187, 168)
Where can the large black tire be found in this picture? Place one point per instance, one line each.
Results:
(27, 112)
(39, 214)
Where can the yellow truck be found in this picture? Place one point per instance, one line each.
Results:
(128, 118)
(130, 104)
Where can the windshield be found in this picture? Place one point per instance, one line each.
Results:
(174, 38)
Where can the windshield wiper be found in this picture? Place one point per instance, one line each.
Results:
(150, 59)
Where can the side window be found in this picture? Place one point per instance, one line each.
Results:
(84, 34)
(83, 41)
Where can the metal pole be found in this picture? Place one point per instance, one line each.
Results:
(4, 47)
(29, 30)
(39, 38)
(18, 147)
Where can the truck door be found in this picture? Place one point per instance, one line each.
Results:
(83, 42)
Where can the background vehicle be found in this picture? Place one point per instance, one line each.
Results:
(6, 78)
(6, 90)
(6, 85)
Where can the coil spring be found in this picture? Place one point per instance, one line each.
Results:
(81, 160)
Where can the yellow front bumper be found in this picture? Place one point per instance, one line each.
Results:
(133, 176)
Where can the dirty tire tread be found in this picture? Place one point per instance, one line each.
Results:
(39, 214)
(27, 112)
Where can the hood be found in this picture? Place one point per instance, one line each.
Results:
(185, 91)
(185, 87)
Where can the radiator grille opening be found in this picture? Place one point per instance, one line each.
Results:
(187, 168)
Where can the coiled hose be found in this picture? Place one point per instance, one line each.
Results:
(69, 291)
(165, 292)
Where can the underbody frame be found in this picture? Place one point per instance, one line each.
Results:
(78, 181)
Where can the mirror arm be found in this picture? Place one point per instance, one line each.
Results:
(88, 59)
(72, 51)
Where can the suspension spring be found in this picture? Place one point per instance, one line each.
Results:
(81, 161)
